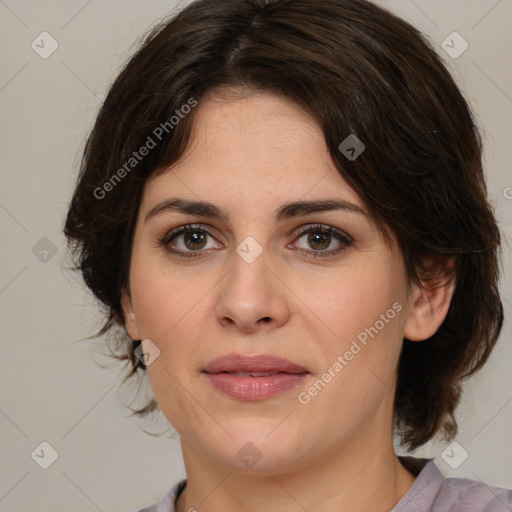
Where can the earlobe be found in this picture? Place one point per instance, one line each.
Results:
(130, 323)
(430, 302)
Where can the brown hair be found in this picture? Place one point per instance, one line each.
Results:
(357, 69)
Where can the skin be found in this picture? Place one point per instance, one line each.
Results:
(250, 154)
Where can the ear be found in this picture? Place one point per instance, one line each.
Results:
(130, 323)
(429, 303)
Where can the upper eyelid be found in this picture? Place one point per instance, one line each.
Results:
(320, 226)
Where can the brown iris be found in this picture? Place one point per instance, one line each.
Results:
(319, 240)
(194, 240)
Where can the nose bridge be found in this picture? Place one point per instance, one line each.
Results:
(248, 279)
(250, 291)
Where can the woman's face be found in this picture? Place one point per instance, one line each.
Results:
(266, 270)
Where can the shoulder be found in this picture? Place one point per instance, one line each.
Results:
(433, 492)
(167, 503)
(469, 495)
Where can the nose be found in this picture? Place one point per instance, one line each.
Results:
(251, 297)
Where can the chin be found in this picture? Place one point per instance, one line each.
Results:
(255, 450)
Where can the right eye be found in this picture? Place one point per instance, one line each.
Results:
(189, 241)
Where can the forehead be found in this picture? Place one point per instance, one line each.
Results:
(260, 124)
(259, 145)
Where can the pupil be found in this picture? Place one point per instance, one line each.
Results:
(319, 241)
(195, 240)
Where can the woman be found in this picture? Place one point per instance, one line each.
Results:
(282, 203)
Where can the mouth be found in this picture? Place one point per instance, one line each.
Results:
(251, 378)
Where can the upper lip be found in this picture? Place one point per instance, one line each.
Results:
(255, 363)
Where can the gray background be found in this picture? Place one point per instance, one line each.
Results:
(51, 387)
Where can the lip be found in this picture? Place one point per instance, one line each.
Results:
(285, 375)
(256, 363)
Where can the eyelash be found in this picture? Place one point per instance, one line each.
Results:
(341, 237)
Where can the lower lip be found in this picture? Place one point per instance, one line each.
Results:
(255, 388)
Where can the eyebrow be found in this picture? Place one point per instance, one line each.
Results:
(285, 211)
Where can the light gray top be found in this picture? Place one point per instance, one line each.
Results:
(431, 492)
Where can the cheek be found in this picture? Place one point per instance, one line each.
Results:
(349, 301)
(164, 299)
(360, 339)
(172, 311)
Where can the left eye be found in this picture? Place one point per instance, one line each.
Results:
(322, 239)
